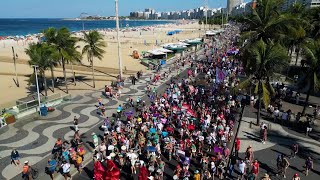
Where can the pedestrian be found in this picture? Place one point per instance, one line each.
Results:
(95, 140)
(81, 151)
(308, 165)
(15, 157)
(75, 123)
(276, 114)
(242, 169)
(78, 163)
(196, 175)
(51, 167)
(249, 154)
(284, 118)
(284, 164)
(237, 148)
(66, 170)
(294, 150)
(233, 162)
(255, 168)
(264, 135)
(297, 98)
(296, 177)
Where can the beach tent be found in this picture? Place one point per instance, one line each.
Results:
(183, 44)
(165, 50)
(156, 52)
(170, 33)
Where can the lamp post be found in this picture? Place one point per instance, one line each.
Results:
(118, 39)
(15, 66)
(37, 84)
(206, 4)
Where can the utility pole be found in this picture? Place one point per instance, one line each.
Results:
(37, 84)
(15, 66)
(206, 5)
(118, 39)
(222, 17)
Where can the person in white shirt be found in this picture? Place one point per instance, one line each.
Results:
(133, 158)
(276, 114)
(66, 170)
(242, 167)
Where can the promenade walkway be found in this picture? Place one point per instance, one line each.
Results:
(34, 139)
(280, 140)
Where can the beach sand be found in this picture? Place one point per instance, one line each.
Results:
(134, 40)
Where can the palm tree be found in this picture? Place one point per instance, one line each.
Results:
(298, 39)
(93, 48)
(267, 22)
(261, 61)
(310, 80)
(65, 44)
(45, 57)
(314, 17)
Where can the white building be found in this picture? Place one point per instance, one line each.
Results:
(233, 3)
(242, 8)
(308, 3)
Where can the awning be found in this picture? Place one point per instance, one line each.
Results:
(156, 52)
(164, 50)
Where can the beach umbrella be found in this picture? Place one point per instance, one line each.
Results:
(151, 149)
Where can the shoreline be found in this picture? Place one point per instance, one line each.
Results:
(156, 20)
(169, 22)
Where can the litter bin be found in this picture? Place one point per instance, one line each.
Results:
(44, 111)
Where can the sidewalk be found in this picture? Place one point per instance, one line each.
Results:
(280, 140)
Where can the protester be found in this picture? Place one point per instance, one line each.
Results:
(201, 110)
(255, 168)
(51, 167)
(26, 174)
(66, 170)
(294, 150)
(296, 177)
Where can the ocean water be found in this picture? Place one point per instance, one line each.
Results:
(13, 27)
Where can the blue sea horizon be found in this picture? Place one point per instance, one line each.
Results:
(25, 26)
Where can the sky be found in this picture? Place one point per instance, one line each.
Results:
(73, 8)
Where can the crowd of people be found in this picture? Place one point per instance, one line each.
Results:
(190, 123)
